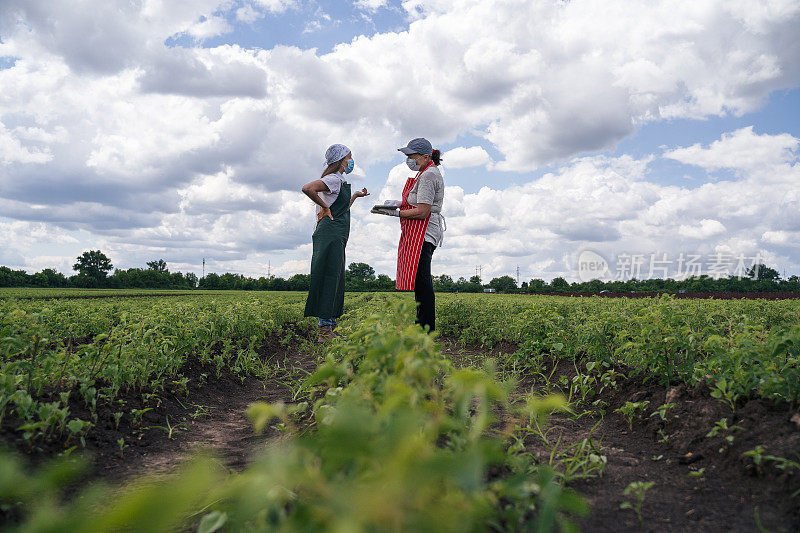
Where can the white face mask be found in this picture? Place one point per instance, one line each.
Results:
(412, 163)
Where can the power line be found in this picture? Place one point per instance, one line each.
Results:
(240, 272)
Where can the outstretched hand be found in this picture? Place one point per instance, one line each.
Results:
(362, 193)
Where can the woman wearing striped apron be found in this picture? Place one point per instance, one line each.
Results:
(421, 227)
(331, 193)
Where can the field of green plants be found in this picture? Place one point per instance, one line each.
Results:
(27, 293)
(510, 418)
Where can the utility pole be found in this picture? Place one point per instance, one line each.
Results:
(204, 267)
(517, 274)
(479, 270)
(269, 269)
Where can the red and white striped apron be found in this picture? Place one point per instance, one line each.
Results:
(412, 235)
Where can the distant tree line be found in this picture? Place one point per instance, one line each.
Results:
(358, 277)
(93, 270)
(759, 278)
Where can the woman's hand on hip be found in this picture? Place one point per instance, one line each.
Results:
(324, 212)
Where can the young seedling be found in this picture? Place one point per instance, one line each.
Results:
(121, 445)
(89, 394)
(782, 463)
(169, 428)
(182, 385)
(609, 379)
(200, 410)
(78, 427)
(148, 396)
(723, 391)
(721, 428)
(579, 461)
(117, 418)
(137, 414)
(630, 409)
(697, 475)
(24, 404)
(636, 492)
(64, 397)
(757, 456)
(66, 453)
(662, 410)
(759, 459)
(600, 406)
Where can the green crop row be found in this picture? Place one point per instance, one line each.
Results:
(61, 351)
(386, 434)
(741, 348)
(390, 438)
(56, 350)
(45, 293)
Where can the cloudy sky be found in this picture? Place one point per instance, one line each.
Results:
(648, 133)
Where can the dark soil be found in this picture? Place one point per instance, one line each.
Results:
(731, 494)
(215, 419)
(209, 413)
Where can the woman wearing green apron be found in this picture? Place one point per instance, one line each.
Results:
(331, 193)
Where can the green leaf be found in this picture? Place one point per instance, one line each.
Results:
(77, 425)
(261, 413)
(212, 522)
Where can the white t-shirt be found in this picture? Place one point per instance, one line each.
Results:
(334, 182)
(429, 189)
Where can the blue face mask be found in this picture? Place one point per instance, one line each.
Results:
(349, 167)
(412, 164)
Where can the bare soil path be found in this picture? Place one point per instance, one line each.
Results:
(225, 430)
(730, 495)
(212, 416)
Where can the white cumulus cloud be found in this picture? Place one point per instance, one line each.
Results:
(209, 27)
(108, 129)
(370, 5)
(742, 149)
(462, 157)
(707, 228)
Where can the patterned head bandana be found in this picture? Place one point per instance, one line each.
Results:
(335, 153)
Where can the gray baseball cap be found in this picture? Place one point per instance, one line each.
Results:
(419, 145)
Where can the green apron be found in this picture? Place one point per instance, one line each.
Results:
(326, 294)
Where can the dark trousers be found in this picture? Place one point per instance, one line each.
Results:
(423, 288)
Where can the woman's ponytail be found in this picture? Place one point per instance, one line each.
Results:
(332, 168)
(436, 157)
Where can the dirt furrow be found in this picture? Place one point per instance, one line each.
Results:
(710, 490)
(225, 431)
(212, 417)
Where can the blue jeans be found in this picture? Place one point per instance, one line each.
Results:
(327, 322)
